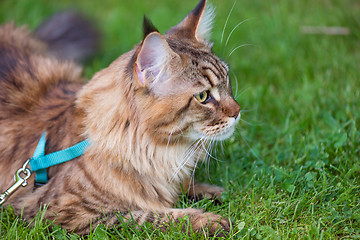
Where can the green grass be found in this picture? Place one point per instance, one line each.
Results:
(292, 169)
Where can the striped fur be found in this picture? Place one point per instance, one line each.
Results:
(146, 136)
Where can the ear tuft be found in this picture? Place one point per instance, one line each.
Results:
(197, 24)
(148, 27)
(203, 31)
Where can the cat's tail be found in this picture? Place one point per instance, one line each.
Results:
(69, 35)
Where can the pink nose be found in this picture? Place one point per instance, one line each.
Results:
(231, 108)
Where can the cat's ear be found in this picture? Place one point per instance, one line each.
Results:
(148, 27)
(153, 60)
(197, 24)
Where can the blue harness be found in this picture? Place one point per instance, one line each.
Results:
(40, 162)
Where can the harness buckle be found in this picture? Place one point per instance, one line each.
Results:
(21, 175)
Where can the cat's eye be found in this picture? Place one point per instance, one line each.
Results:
(202, 97)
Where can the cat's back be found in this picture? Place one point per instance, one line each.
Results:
(16, 47)
(28, 74)
(33, 64)
(37, 93)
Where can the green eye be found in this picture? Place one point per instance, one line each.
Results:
(202, 97)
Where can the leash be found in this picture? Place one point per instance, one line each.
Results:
(40, 162)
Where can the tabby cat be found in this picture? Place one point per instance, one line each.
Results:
(146, 116)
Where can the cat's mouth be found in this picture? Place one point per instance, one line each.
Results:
(219, 132)
(227, 131)
(225, 134)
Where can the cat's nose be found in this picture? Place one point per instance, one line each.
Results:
(232, 109)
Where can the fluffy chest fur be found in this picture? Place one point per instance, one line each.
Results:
(159, 159)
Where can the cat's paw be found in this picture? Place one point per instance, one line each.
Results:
(208, 223)
(212, 192)
(211, 224)
(201, 190)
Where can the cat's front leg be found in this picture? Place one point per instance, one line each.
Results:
(198, 191)
(208, 223)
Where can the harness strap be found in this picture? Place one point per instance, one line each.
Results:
(41, 174)
(40, 162)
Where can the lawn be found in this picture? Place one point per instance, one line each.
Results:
(292, 169)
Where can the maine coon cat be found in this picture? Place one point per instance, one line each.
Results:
(145, 117)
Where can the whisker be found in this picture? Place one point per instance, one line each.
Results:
(236, 86)
(243, 91)
(191, 148)
(236, 83)
(223, 31)
(212, 145)
(222, 147)
(192, 178)
(169, 140)
(189, 152)
(209, 154)
(215, 147)
(240, 46)
(251, 150)
(181, 132)
(248, 123)
(246, 110)
(207, 159)
(232, 31)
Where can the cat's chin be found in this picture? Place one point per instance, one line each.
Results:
(217, 137)
(225, 134)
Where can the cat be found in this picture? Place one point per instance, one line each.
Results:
(146, 116)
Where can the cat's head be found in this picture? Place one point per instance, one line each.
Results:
(183, 88)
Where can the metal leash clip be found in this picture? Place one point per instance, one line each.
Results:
(21, 176)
